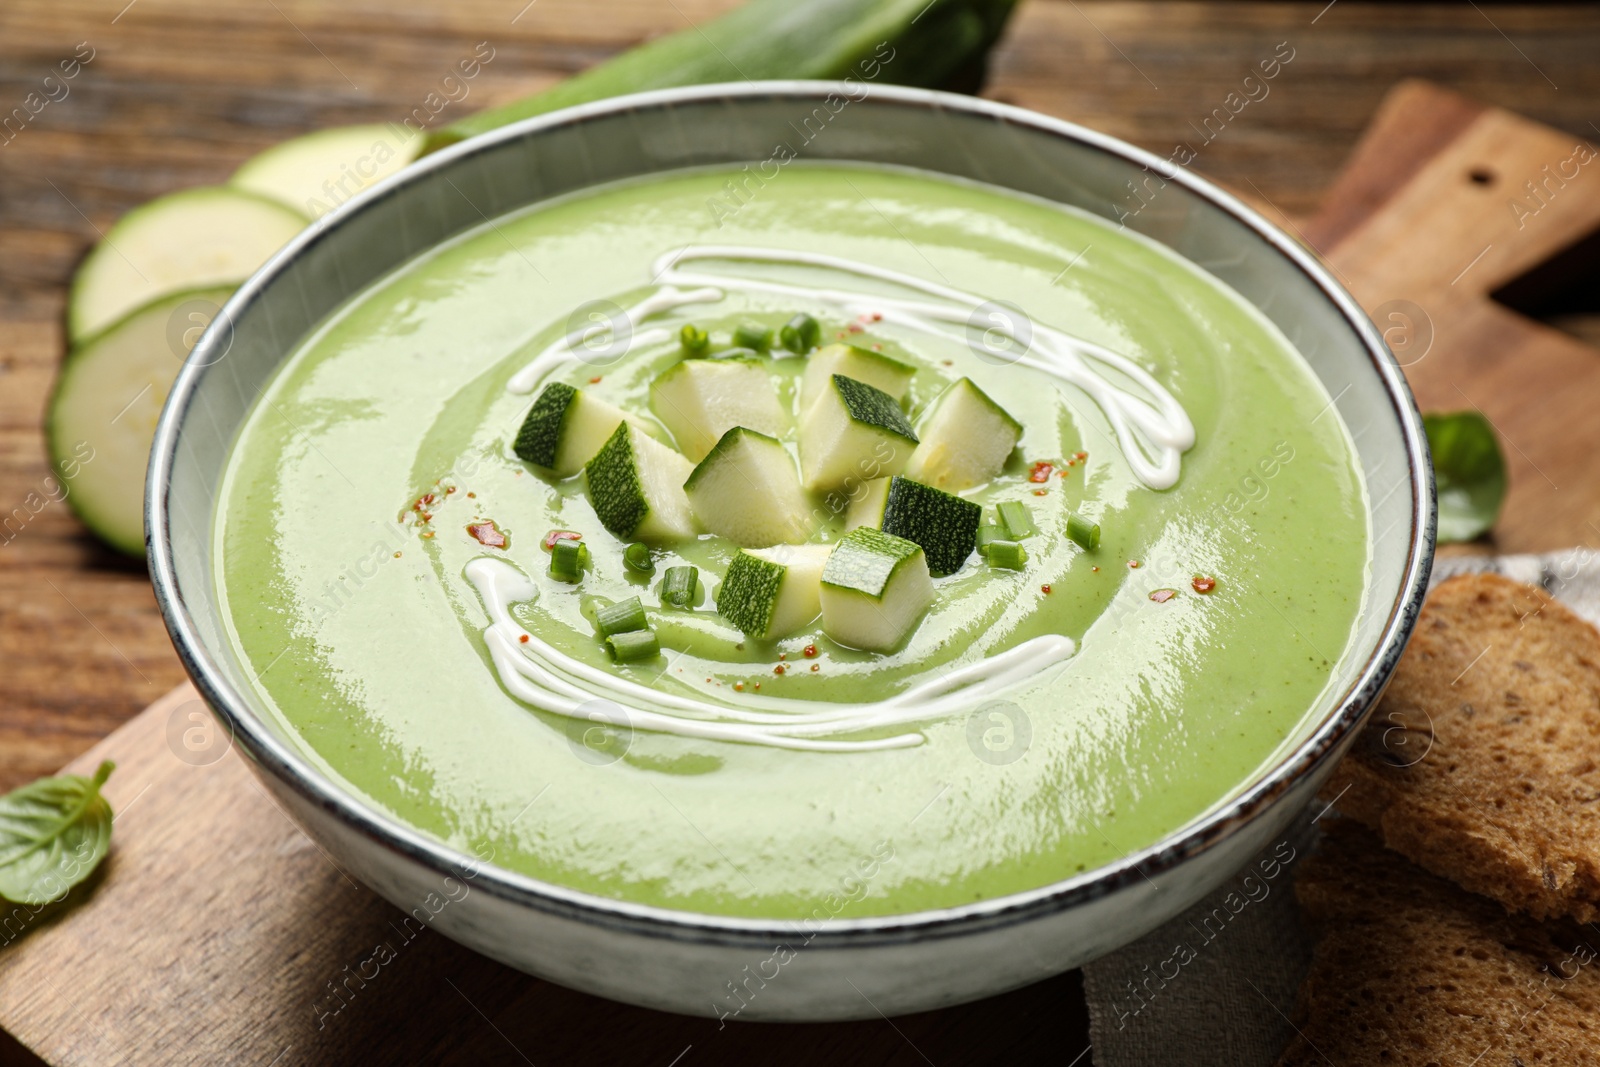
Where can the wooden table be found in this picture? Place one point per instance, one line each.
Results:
(177, 93)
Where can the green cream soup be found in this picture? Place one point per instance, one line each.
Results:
(1036, 723)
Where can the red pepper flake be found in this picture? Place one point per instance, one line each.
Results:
(758, 685)
(523, 639)
(1041, 492)
(1045, 589)
(814, 666)
(488, 534)
(553, 536)
(810, 652)
(1095, 569)
(783, 655)
(948, 362)
(427, 516)
(877, 316)
(1080, 455)
(397, 555)
(450, 490)
(473, 496)
(1134, 564)
(595, 380)
(738, 687)
(778, 669)
(427, 534)
(1062, 473)
(429, 498)
(1040, 472)
(855, 328)
(1161, 596)
(1203, 584)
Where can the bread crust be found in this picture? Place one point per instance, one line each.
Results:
(1482, 762)
(1412, 971)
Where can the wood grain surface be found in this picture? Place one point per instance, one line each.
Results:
(178, 94)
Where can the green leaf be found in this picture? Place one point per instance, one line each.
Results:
(53, 834)
(1469, 470)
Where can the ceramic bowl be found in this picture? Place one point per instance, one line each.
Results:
(846, 968)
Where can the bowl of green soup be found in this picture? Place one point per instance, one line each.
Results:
(791, 551)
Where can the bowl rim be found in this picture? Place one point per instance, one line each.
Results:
(1206, 832)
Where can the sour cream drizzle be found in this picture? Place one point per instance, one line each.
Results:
(1152, 428)
(540, 675)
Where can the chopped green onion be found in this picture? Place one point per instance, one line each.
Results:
(624, 616)
(988, 534)
(636, 557)
(1084, 532)
(633, 645)
(693, 339)
(566, 560)
(801, 334)
(753, 336)
(680, 586)
(1007, 554)
(1014, 517)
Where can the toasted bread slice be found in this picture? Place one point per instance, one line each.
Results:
(1411, 970)
(1482, 763)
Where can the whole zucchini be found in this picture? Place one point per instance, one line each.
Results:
(907, 42)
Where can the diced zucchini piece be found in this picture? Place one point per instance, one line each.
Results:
(680, 587)
(875, 590)
(636, 487)
(853, 433)
(944, 525)
(966, 438)
(771, 593)
(102, 414)
(210, 236)
(565, 428)
(315, 173)
(746, 490)
(1015, 519)
(699, 400)
(874, 368)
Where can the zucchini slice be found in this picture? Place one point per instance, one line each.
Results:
(198, 238)
(944, 525)
(852, 434)
(772, 593)
(864, 365)
(875, 590)
(966, 439)
(102, 414)
(565, 428)
(317, 172)
(636, 487)
(699, 400)
(746, 490)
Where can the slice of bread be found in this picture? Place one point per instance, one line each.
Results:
(1482, 763)
(1411, 971)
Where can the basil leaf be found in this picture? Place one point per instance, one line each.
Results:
(1469, 470)
(53, 834)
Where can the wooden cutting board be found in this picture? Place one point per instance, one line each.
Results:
(218, 932)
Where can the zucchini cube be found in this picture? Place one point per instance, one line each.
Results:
(853, 433)
(746, 490)
(875, 590)
(636, 488)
